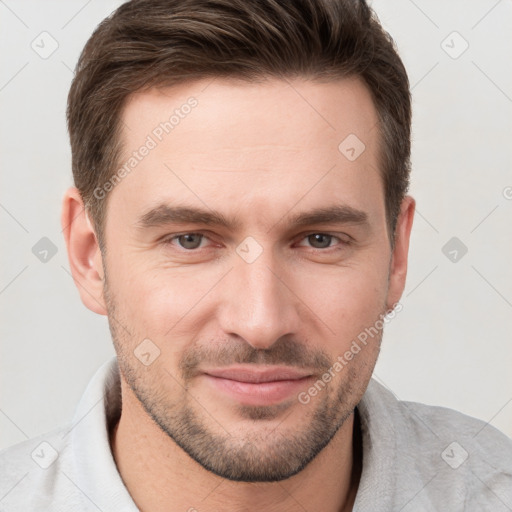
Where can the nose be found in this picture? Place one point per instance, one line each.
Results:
(257, 302)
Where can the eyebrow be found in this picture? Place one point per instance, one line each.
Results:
(164, 214)
(337, 214)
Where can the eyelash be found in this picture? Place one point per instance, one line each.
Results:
(344, 243)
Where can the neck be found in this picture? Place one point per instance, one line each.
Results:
(161, 477)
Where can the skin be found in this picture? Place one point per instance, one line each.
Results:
(260, 153)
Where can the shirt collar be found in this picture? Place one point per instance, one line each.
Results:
(94, 465)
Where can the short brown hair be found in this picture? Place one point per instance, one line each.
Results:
(148, 43)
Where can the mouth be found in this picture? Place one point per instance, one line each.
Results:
(258, 385)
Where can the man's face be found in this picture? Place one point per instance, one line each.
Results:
(261, 296)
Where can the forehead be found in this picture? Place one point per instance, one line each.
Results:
(251, 112)
(226, 142)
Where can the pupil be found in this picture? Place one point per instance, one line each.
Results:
(319, 240)
(191, 241)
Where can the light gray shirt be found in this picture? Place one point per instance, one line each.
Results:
(415, 458)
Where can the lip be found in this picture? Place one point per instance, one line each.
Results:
(253, 385)
(258, 374)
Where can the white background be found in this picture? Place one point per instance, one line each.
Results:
(450, 345)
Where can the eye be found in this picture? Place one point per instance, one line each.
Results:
(189, 241)
(321, 240)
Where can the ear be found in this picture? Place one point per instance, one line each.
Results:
(84, 254)
(398, 265)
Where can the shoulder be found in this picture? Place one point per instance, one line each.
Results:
(423, 422)
(444, 455)
(30, 469)
(475, 459)
(41, 451)
(69, 468)
(466, 436)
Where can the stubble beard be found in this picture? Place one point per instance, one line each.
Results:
(263, 454)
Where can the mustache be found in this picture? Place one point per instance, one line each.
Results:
(284, 351)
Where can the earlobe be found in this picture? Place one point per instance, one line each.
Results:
(84, 254)
(398, 264)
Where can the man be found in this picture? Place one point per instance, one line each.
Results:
(241, 216)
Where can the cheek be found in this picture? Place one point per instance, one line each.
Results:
(163, 305)
(347, 301)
